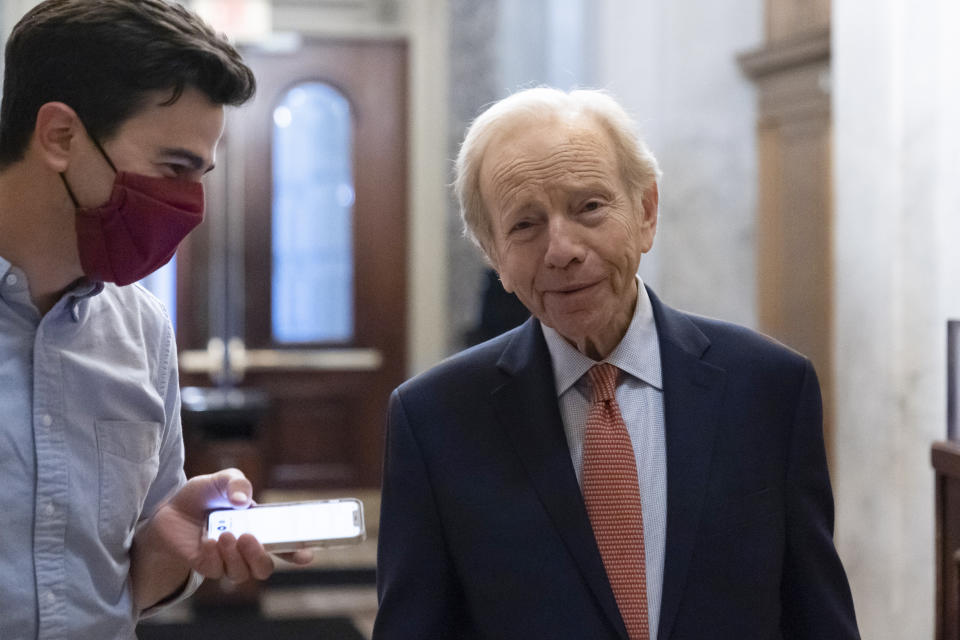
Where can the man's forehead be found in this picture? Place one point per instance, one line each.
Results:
(529, 135)
(577, 147)
(191, 123)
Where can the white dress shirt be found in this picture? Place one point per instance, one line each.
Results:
(640, 396)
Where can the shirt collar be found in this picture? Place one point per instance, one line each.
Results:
(79, 297)
(77, 294)
(638, 353)
(85, 288)
(13, 285)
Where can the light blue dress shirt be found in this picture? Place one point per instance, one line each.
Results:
(90, 446)
(640, 396)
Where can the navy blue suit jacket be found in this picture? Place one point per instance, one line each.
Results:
(483, 530)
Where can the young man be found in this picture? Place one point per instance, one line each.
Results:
(111, 114)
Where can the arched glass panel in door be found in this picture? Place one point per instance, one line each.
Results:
(313, 196)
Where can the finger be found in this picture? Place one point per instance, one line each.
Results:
(225, 488)
(233, 563)
(238, 490)
(303, 556)
(232, 486)
(300, 556)
(209, 564)
(257, 559)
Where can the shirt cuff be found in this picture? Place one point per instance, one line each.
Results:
(191, 585)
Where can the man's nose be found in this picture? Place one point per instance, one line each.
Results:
(564, 245)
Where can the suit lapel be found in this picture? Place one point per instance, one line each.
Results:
(527, 406)
(692, 393)
(693, 389)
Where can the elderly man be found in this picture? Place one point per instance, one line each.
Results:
(613, 468)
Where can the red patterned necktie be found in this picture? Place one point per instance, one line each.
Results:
(611, 492)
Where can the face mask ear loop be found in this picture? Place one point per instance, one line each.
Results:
(66, 184)
(99, 147)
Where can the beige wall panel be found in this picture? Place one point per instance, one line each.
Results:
(795, 269)
(787, 19)
(795, 212)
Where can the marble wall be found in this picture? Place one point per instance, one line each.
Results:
(12, 11)
(474, 82)
(674, 65)
(896, 96)
(496, 48)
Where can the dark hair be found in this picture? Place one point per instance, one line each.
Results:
(102, 58)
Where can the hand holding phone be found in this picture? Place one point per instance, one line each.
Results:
(288, 526)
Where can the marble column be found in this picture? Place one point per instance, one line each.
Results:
(474, 82)
(896, 97)
(673, 65)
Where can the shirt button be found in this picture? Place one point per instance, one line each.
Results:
(49, 597)
(49, 509)
(12, 279)
(46, 420)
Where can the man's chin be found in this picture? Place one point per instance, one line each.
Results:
(573, 332)
(589, 327)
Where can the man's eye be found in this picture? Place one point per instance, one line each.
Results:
(520, 226)
(177, 169)
(592, 205)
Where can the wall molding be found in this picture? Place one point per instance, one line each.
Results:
(811, 48)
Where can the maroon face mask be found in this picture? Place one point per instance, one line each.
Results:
(137, 230)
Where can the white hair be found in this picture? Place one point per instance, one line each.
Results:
(638, 167)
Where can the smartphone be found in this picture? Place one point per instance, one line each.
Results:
(288, 526)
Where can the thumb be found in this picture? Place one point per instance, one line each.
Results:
(225, 488)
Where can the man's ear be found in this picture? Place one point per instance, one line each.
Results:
(506, 283)
(649, 216)
(492, 260)
(54, 135)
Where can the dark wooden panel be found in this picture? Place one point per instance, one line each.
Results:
(372, 76)
(945, 457)
(324, 428)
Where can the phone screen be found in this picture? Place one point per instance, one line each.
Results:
(292, 523)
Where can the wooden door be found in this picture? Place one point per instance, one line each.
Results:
(328, 384)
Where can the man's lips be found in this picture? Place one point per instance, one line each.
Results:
(571, 288)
